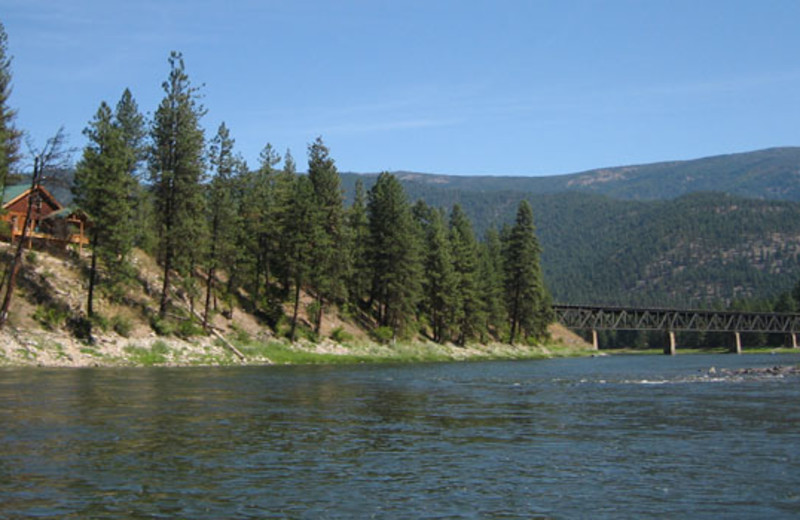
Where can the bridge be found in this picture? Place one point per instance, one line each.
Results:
(674, 320)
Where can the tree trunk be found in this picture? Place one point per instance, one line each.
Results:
(294, 313)
(16, 262)
(318, 317)
(162, 309)
(92, 279)
(209, 286)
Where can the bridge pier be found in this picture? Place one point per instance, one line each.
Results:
(737, 343)
(670, 349)
(794, 339)
(595, 340)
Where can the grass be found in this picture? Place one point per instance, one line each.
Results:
(157, 354)
(279, 352)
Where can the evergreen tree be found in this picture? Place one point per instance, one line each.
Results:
(393, 253)
(491, 283)
(265, 226)
(284, 193)
(330, 258)
(102, 187)
(132, 126)
(223, 217)
(300, 222)
(10, 137)
(468, 315)
(440, 281)
(358, 231)
(527, 299)
(176, 172)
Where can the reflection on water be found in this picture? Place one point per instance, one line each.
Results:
(636, 437)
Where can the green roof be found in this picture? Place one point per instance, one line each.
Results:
(12, 192)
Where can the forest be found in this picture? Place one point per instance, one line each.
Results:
(263, 237)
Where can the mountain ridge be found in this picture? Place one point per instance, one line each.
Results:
(700, 232)
(770, 173)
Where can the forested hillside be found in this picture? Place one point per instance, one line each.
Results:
(701, 249)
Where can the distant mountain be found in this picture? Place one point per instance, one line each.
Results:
(692, 251)
(772, 174)
(685, 233)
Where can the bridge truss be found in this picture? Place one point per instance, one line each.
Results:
(674, 320)
(618, 318)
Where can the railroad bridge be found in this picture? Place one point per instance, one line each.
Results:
(674, 320)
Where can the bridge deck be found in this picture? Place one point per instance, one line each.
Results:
(674, 320)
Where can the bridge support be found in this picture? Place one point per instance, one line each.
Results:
(595, 340)
(670, 349)
(794, 339)
(737, 343)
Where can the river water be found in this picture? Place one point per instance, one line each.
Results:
(609, 437)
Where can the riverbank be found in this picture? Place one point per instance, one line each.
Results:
(53, 349)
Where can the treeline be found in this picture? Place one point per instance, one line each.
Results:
(699, 250)
(268, 236)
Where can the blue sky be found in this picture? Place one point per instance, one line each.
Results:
(509, 87)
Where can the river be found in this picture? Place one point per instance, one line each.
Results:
(607, 437)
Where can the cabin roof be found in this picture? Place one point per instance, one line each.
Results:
(12, 192)
(16, 191)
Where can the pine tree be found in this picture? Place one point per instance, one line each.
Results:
(440, 282)
(300, 223)
(394, 255)
(491, 283)
(468, 315)
(133, 127)
(527, 299)
(102, 186)
(10, 137)
(330, 258)
(223, 217)
(358, 230)
(284, 198)
(265, 228)
(176, 172)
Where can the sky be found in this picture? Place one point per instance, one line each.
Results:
(490, 87)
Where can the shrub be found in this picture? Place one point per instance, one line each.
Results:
(240, 335)
(313, 309)
(340, 335)
(81, 327)
(383, 334)
(159, 348)
(162, 327)
(273, 312)
(100, 321)
(121, 325)
(52, 318)
(309, 334)
(188, 328)
(155, 355)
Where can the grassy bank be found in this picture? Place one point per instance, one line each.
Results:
(411, 352)
(40, 348)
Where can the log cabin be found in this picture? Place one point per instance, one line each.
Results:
(51, 223)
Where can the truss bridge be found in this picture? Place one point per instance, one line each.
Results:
(675, 320)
